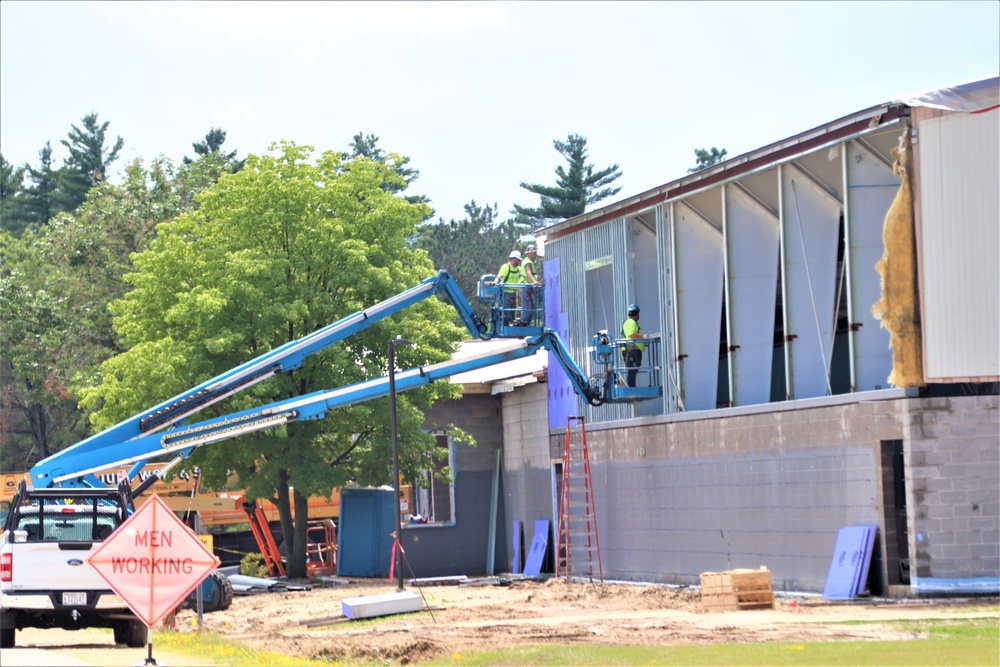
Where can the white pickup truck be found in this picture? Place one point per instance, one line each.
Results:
(45, 581)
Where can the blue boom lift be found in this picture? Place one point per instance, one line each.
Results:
(162, 429)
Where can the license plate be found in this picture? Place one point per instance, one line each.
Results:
(74, 598)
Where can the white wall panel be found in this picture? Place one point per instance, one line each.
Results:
(699, 306)
(752, 239)
(960, 244)
(811, 225)
(871, 187)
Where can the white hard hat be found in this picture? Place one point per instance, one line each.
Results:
(514, 255)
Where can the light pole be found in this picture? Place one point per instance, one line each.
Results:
(398, 532)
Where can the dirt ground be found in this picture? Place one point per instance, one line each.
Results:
(465, 618)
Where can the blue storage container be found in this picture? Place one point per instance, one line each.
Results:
(364, 534)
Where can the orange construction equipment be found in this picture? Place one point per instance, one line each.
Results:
(579, 545)
(265, 538)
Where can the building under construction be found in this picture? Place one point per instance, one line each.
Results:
(828, 314)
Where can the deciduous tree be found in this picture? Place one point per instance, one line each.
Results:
(285, 246)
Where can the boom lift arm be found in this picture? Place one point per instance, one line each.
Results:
(135, 441)
(89, 456)
(315, 406)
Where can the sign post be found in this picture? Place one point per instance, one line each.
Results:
(153, 561)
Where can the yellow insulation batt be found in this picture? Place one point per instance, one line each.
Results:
(898, 308)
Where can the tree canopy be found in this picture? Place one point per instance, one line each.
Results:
(89, 158)
(366, 146)
(56, 282)
(212, 146)
(707, 158)
(575, 188)
(472, 246)
(274, 252)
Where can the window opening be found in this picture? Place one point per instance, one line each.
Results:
(435, 497)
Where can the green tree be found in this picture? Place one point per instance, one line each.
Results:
(12, 197)
(89, 158)
(707, 158)
(285, 246)
(36, 410)
(575, 188)
(58, 281)
(44, 198)
(470, 247)
(212, 145)
(366, 146)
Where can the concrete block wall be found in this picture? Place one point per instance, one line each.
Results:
(527, 463)
(462, 548)
(953, 487)
(685, 494)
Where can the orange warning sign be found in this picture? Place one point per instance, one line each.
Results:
(153, 561)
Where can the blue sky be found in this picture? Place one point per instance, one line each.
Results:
(474, 93)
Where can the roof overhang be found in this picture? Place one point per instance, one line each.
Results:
(782, 151)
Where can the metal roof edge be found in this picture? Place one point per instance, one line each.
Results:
(853, 124)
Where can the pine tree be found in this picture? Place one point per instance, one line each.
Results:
(89, 160)
(212, 145)
(472, 246)
(575, 188)
(12, 195)
(705, 158)
(44, 199)
(366, 146)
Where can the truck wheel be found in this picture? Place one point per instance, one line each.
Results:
(130, 633)
(6, 637)
(220, 593)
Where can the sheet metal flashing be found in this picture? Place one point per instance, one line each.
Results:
(843, 128)
(763, 408)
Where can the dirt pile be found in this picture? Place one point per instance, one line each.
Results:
(482, 617)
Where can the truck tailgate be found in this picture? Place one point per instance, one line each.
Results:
(55, 568)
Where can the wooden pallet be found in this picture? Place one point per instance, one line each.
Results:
(736, 590)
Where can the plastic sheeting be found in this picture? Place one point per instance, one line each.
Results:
(969, 97)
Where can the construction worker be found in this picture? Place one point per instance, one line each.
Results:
(632, 352)
(509, 275)
(528, 314)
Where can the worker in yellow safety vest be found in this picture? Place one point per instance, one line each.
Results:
(632, 352)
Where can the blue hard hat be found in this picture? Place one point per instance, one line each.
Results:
(634, 308)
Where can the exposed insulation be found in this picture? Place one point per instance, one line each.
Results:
(898, 309)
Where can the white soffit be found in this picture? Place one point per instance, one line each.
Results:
(526, 366)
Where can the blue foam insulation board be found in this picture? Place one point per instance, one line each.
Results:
(851, 557)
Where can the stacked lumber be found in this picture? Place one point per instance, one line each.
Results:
(735, 590)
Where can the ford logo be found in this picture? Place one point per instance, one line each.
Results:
(75, 561)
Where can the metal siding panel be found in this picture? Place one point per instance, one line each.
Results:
(644, 289)
(665, 260)
(960, 219)
(812, 224)
(871, 187)
(699, 300)
(752, 236)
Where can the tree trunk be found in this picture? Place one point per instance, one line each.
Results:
(297, 556)
(283, 503)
